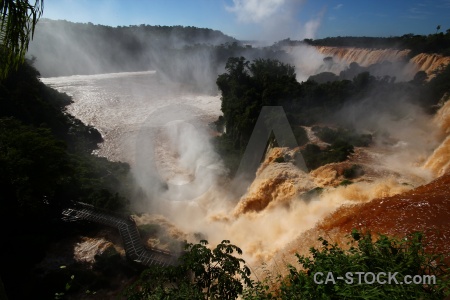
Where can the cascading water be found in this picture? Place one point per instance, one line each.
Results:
(396, 210)
(366, 57)
(273, 213)
(363, 56)
(439, 161)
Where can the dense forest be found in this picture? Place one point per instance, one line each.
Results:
(85, 48)
(47, 163)
(178, 53)
(248, 86)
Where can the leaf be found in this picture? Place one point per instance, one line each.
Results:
(18, 20)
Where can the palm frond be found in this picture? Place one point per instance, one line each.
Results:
(18, 19)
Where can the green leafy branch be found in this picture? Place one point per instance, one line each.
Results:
(18, 19)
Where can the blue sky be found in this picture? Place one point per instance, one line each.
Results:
(265, 19)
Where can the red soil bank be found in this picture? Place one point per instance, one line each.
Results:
(426, 209)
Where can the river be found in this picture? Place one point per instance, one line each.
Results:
(118, 104)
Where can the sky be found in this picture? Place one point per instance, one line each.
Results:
(270, 20)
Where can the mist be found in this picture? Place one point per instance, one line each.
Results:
(158, 120)
(63, 48)
(274, 211)
(346, 63)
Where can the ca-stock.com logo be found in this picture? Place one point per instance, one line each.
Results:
(180, 129)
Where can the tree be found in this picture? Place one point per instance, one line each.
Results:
(420, 78)
(203, 273)
(18, 19)
(217, 272)
(34, 169)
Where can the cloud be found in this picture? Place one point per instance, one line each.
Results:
(339, 6)
(255, 11)
(277, 19)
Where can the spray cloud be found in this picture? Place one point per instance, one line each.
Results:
(276, 18)
(172, 145)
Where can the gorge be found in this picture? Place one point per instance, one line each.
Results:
(409, 160)
(152, 123)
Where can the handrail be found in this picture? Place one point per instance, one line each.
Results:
(134, 248)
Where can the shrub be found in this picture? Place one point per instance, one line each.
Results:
(300, 135)
(315, 157)
(202, 274)
(312, 193)
(365, 254)
(346, 182)
(349, 136)
(353, 172)
(216, 274)
(279, 159)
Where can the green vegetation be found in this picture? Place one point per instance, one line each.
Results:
(217, 274)
(345, 182)
(300, 135)
(438, 88)
(364, 253)
(46, 162)
(279, 159)
(202, 274)
(75, 280)
(184, 54)
(353, 172)
(315, 157)
(46, 153)
(18, 20)
(342, 145)
(438, 42)
(112, 47)
(315, 192)
(331, 136)
(248, 86)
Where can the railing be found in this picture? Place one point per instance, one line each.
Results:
(133, 245)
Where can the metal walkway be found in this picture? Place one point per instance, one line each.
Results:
(134, 248)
